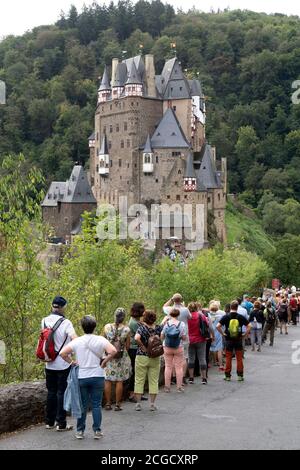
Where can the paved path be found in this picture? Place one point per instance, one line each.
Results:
(261, 413)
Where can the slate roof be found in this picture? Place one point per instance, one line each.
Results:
(92, 136)
(105, 83)
(121, 75)
(76, 190)
(174, 84)
(148, 148)
(190, 170)
(207, 174)
(169, 133)
(133, 76)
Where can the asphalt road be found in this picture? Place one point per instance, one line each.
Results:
(261, 413)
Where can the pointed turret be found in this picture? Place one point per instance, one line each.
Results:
(104, 91)
(190, 178)
(104, 158)
(134, 84)
(148, 157)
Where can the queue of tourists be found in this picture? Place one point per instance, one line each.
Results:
(81, 370)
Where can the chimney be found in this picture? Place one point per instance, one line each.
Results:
(150, 75)
(224, 174)
(113, 70)
(214, 154)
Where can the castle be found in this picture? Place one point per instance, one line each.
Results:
(149, 141)
(149, 146)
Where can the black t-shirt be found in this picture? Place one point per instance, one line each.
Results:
(225, 321)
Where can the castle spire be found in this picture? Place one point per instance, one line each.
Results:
(104, 91)
(134, 84)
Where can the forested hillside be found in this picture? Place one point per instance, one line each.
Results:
(247, 63)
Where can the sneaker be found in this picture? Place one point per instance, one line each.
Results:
(180, 390)
(222, 369)
(138, 407)
(67, 428)
(204, 381)
(132, 400)
(258, 349)
(153, 407)
(48, 426)
(144, 398)
(240, 378)
(184, 382)
(191, 381)
(79, 435)
(98, 435)
(227, 379)
(167, 390)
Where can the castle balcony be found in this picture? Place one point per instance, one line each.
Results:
(103, 170)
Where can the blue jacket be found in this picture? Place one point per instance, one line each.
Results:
(72, 398)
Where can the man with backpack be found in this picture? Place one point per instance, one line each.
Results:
(270, 324)
(56, 333)
(233, 334)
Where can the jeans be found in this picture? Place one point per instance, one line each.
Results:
(199, 350)
(56, 383)
(256, 337)
(91, 389)
(173, 357)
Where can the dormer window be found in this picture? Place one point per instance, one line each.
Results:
(148, 166)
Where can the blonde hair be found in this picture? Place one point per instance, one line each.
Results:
(214, 306)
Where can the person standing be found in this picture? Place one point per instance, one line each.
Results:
(177, 302)
(197, 342)
(145, 366)
(89, 350)
(118, 370)
(173, 335)
(270, 324)
(257, 320)
(294, 309)
(217, 346)
(58, 370)
(233, 324)
(136, 313)
(283, 315)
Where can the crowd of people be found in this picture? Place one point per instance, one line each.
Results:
(190, 337)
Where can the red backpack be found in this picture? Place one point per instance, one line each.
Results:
(46, 347)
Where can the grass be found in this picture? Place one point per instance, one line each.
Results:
(245, 231)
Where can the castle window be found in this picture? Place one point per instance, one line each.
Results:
(132, 104)
(179, 172)
(185, 196)
(180, 88)
(102, 108)
(219, 197)
(109, 144)
(104, 129)
(156, 181)
(117, 128)
(219, 214)
(111, 163)
(168, 197)
(125, 126)
(97, 169)
(120, 177)
(97, 135)
(135, 165)
(208, 199)
(120, 163)
(128, 165)
(66, 220)
(177, 197)
(174, 108)
(110, 128)
(176, 154)
(122, 144)
(176, 183)
(110, 107)
(156, 159)
(128, 143)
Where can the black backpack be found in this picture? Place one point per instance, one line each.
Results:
(204, 327)
(271, 316)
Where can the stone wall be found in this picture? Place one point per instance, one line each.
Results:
(22, 405)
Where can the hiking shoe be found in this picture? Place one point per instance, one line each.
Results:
(98, 435)
(49, 427)
(138, 407)
(153, 407)
(67, 428)
(79, 435)
(227, 379)
(240, 378)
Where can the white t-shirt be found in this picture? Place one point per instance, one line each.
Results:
(89, 349)
(65, 330)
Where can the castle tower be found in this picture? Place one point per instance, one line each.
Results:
(104, 158)
(104, 91)
(148, 157)
(134, 85)
(190, 179)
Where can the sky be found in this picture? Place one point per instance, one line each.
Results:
(18, 16)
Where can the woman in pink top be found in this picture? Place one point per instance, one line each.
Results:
(197, 346)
